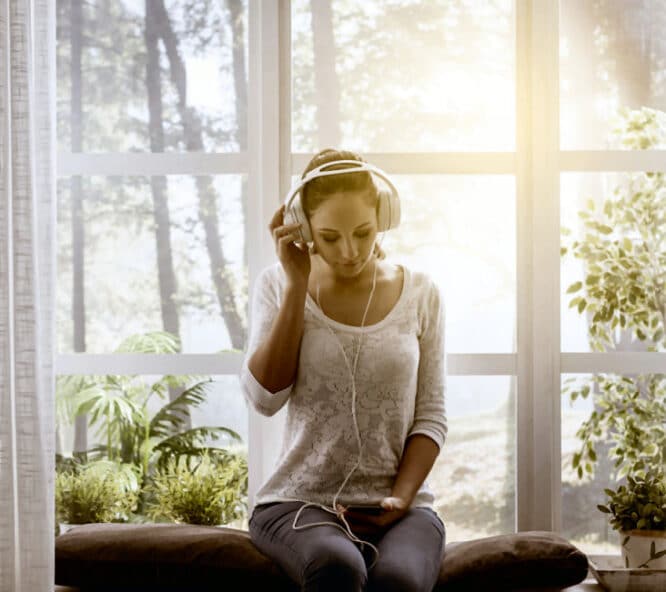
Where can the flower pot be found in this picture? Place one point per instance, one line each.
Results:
(644, 548)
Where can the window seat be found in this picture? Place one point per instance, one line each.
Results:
(178, 557)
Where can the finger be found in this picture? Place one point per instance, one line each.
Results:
(393, 503)
(284, 229)
(283, 243)
(277, 218)
(289, 236)
(281, 231)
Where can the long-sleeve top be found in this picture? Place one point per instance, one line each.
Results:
(400, 391)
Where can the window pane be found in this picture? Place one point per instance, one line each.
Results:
(181, 87)
(152, 254)
(582, 523)
(473, 478)
(223, 406)
(617, 266)
(461, 230)
(403, 76)
(612, 56)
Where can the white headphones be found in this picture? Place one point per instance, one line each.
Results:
(388, 210)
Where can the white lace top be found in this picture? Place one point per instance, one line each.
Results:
(400, 388)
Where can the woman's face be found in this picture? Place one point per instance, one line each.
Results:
(344, 228)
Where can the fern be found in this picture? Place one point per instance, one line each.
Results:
(211, 493)
(191, 443)
(172, 414)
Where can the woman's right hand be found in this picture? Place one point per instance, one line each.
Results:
(295, 259)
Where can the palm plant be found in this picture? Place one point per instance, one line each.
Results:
(118, 405)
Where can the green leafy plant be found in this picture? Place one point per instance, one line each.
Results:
(211, 493)
(100, 491)
(118, 405)
(639, 505)
(624, 255)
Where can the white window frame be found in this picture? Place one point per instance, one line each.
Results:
(536, 164)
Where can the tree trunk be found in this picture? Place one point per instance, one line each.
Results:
(78, 230)
(631, 51)
(235, 8)
(327, 87)
(207, 195)
(166, 275)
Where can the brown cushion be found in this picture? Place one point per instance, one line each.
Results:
(172, 557)
(169, 557)
(532, 559)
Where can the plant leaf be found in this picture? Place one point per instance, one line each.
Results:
(171, 415)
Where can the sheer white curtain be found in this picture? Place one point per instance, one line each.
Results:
(27, 293)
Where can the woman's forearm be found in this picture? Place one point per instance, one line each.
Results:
(275, 362)
(417, 460)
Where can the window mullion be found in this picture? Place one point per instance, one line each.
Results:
(538, 472)
(268, 129)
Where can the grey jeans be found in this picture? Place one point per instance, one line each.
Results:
(323, 558)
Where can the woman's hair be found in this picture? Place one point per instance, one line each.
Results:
(315, 192)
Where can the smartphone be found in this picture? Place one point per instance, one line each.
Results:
(373, 509)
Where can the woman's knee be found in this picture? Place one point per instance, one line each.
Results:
(393, 578)
(335, 566)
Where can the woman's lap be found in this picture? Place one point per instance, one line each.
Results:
(410, 554)
(410, 551)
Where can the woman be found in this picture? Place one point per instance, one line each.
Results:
(350, 341)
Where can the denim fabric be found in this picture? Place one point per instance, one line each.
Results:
(323, 558)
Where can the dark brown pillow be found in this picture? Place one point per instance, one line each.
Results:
(529, 560)
(165, 557)
(179, 557)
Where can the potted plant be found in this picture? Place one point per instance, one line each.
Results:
(212, 492)
(623, 294)
(100, 491)
(624, 290)
(638, 512)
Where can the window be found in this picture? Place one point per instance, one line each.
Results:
(497, 122)
(152, 202)
(612, 199)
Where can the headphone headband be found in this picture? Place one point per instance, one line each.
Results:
(389, 205)
(357, 167)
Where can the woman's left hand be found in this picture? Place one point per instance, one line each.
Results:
(364, 523)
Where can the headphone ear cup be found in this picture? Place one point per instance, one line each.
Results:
(388, 211)
(295, 215)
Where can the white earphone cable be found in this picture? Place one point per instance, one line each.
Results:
(352, 372)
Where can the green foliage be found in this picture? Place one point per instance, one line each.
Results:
(118, 405)
(211, 493)
(639, 505)
(624, 255)
(100, 491)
